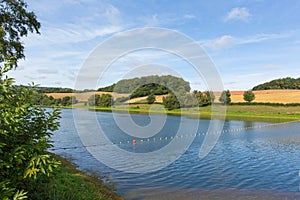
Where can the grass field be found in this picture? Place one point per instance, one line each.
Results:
(234, 112)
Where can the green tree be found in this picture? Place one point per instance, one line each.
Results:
(204, 98)
(249, 96)
(25, 127)
(66, 101)
(15, 23)
(151, 99)
(225, 97)
(104, 100)
(171, 102)
(94, 100)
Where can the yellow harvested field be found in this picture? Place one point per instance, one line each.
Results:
(159, 98)
(85, 95)
(272, 96)
(136, 100)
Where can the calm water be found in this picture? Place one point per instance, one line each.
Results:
(249, 163)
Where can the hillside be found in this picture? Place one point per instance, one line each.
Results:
(144, 86)
(282, 83)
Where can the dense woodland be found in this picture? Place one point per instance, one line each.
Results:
(147, 85)
(282, 83)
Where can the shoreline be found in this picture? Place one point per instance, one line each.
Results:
(69, 182)
(206, 114)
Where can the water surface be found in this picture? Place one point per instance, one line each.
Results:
(251, 160)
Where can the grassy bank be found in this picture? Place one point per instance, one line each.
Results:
(69, 183)
(265, 113)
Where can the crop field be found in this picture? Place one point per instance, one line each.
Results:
(272, 96)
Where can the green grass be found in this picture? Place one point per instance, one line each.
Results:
(264, 113)
(69, 183)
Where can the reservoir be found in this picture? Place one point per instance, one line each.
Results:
(250, 159)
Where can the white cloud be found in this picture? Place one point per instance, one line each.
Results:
(225, 41)
(112, 14)
(47, 71)
(238, 13)
(188, 16)
(271, 67)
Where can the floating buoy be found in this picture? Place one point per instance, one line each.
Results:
(134, 141)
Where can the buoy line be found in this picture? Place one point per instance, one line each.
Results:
(157, 139)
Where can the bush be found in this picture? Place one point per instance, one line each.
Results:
(24, 138)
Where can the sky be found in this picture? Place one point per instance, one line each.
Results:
(249, 41)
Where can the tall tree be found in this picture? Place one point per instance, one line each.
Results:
(225, 97)
(15, 23)
(25, 128)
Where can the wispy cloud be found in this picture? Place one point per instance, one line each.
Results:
(222, 42)
(47, 71)
(270, 67)
(189, 16)
(238, 13)
(227, 41)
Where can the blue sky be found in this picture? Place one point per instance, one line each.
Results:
(249, 41)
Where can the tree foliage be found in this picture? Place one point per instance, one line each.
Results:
(225, 97)
(24, 138)
(104, 100)
(49, 101)
(151, 99)
(204, 98)
(171, 102)
(148, 89)
(15, 23)
(283, 83)
(249, 96)
(157, 85)
(109, 88)
(25, 127)
(54, 90)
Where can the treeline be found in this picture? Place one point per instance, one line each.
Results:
(109, 88)
(57, 89)
(147, 85)
(104, 100)
(51, 89)
(44, 100)
(283, 83)
(187, 100)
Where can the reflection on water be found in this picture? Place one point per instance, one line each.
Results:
(249, 163)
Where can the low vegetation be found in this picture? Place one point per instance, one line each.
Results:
(69, 183)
